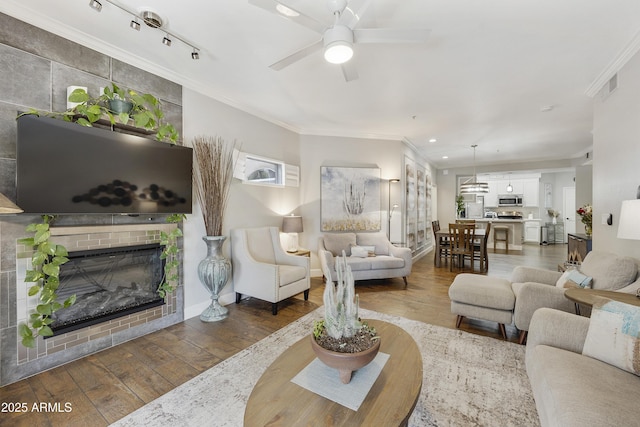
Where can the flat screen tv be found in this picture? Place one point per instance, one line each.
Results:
(65, 168)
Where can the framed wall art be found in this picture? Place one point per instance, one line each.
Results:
(350, 199)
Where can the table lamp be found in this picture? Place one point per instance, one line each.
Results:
(629, 226)
(292, 225)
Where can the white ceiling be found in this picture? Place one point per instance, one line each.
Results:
(485, 73)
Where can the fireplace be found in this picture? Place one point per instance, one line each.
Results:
(108, 283)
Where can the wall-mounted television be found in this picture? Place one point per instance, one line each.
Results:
(65, 168)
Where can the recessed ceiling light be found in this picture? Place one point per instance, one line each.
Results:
(432, 140)
(445, 157)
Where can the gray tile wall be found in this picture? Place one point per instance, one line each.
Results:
(35, 69)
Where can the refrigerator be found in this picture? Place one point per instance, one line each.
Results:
(475, 210)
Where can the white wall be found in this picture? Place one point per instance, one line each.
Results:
(249, 205)
(616, 155)
(318, 151)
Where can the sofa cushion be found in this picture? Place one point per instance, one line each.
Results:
(384, 262)
(359, 264)
(613, 334)
(291, 273)
(573, 390)
(338, 242)
(609, 271)
(378, 239)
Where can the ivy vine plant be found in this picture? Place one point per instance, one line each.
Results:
(45, 273)
(146, 111)
(170, 255)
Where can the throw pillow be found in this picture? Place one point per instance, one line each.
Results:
(338, 242)
(574, 279)
(359, 252)
(378, 240)
(563, 279)
(613, 334)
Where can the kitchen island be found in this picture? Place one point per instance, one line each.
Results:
(515, 231)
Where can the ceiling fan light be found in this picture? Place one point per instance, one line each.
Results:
(338, 52)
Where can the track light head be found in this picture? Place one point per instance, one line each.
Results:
(135, 24)
(195, 54)
(95, 5)
(166, 41)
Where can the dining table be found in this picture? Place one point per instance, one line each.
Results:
(480, 238)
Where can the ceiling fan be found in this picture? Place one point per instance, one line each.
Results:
(338, 39)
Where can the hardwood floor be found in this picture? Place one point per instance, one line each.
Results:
(104, 387)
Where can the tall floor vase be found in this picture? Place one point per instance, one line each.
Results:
(214, 272)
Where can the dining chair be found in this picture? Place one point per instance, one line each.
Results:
(477, 250)
(461, 238)
(465, 221)
(443, 245)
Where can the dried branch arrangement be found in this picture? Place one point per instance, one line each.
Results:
(212, 178)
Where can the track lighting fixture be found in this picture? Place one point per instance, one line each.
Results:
(151, 20)
(95, 5)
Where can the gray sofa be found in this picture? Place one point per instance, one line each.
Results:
(386, 260)
(535, 288)
(571, 389)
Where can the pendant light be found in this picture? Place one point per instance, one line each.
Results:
(509, 187)
(474, 187)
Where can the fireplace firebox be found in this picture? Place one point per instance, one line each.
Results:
(108, 283)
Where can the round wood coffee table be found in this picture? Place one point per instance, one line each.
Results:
(275, 400)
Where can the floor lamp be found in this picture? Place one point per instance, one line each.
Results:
(389, 210)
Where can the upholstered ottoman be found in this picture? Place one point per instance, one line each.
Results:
(482, 297)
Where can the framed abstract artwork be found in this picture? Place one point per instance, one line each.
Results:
(350, 199)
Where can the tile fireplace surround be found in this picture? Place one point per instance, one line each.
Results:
(18, 362)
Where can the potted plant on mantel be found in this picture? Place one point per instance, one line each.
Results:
(213, 173)
(341, 340)
(117, 105)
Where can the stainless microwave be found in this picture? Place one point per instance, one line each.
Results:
(510, 200)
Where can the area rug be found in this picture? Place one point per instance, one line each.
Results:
(468, 380)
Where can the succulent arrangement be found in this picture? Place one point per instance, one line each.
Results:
(341, 329)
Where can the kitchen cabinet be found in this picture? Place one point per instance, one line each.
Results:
(531, 192)
(491, 198)
(579, 245)
(531, 231)
(529, 188)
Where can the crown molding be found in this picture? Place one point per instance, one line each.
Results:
(9, 7)
(614, 66)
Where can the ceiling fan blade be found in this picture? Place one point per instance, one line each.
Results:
(298, 55)
(352, 14)
(289, 13)
(391, 35)
(349, 71)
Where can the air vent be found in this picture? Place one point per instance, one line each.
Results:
(152, 19)
(610, 86)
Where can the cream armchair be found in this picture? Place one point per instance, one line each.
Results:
(263, 270)
(535, 288)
